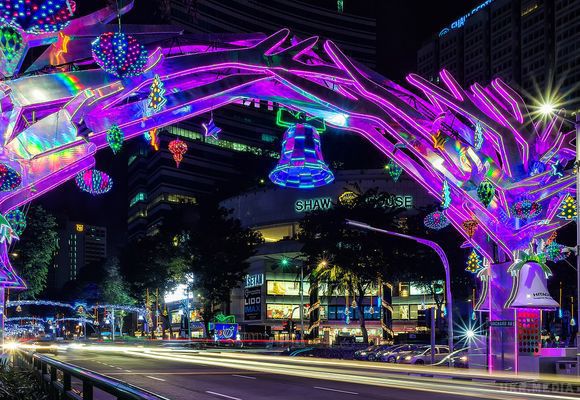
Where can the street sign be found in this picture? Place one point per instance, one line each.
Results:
(501, 324)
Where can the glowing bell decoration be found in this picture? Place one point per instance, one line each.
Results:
(94, 181)
(119, 54)
(178, 148)
(9, 178)
(530, 290)
(17, 221)
(301, 163)
(115, 137)
(37, 16)
(486, 192)
(10, 42)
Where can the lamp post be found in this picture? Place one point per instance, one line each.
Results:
(444, 261)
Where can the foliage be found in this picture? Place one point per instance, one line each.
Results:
(19, 384)
(34, 252)
(115, 290)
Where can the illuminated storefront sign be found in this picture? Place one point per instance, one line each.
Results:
(303, 205)
(254, 280)
(253, 304)
(461, 21)
(225, 331)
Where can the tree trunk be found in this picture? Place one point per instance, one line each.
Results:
(361, 311)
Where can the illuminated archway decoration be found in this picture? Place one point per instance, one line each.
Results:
(301, 163)
(37, 16)
(119, 54)
(94, 181)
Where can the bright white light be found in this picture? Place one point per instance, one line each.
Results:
(338, 119)
(470, 334)
(547, 108)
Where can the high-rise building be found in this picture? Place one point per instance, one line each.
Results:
(79, 245)
(530, 43)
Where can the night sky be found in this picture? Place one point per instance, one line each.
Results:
(402, 27)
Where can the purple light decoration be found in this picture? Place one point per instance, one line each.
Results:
(301, 163)
(436, 220)
(94, 181)
(526, 209)
(211, 129)
(119, 54)
(37, 16)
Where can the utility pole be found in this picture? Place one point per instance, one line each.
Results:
(113, 323)
(577, 168)
(302, 301)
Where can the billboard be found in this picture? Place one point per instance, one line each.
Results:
(253, 303)
(225, 331)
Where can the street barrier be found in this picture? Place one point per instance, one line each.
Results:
(57, 379)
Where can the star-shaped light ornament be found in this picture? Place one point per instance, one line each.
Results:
(439, 141)
(211, 129)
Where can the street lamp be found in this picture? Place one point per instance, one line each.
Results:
(444, 261)
(549, 109)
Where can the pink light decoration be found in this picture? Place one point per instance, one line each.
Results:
(178, 148)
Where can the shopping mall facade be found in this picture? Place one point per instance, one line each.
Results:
(268, 300)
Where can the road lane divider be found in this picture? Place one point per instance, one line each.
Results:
(334, 390)
(222, 395)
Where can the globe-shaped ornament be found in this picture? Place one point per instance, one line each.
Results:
(10, 42)
(119, 54)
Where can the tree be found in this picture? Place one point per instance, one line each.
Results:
(115, 290)
(215, 253)
(350, 261)
(34, 252)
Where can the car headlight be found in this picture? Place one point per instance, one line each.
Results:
(408, 358)
(463, 358)
(364, 353)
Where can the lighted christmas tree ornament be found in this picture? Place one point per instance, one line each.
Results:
(157, 95)
(394, 170)
(17, 220)
(94, 181)
(470, 227)
(119, 54)
(525, 209)
(436, 220)
(178, 148)
(567, 209)
(473, 262)
(10, 42)
(10, 179)
(37, 16)
(486, 192)
(115, 138)
(445, 195)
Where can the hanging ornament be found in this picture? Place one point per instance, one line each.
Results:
(17, 221)
(115, 137)
(439, 141)
(10, 42)
(537, 168)
(473, 315)
(526, 209)
(473, 262)
(470, 226)
(567, 209)
(478, 136)
(211, 129)
(556, 252)
(353, 304)
(119, 54)
(557, 169)
(152, 138)
(9, 178)
(157, 95)
(371, 310)
(486, 192)
(340, 6)
(436, 220)
(394, 170)
(37, 16)
(94, 181)
(445, 196)
(18, 309)
(177, 148)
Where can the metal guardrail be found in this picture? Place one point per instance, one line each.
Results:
(56, 378)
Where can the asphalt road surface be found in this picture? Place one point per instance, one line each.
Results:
(207, 375)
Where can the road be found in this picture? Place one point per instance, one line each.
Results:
(211, 375)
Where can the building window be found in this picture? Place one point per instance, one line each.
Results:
(137, 198)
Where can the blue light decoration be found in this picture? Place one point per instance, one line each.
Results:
(37, 16)
(394, 170)
(557, 169)
(10, 179)
(115, 137)
(478, 136)
(301, 164)
(10, 42)
(556, 252)
(436, 220)
(525, 209)
(537, 168)
(445, 196)
(156, 95)
(119, 54)
(17, 221)
(211, 129)
(94, 181)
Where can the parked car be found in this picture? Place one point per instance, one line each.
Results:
(370, 353)
(458, 359)
(390, 355)
(423, 356)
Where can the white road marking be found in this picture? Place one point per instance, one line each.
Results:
(157, 379)
(334, 390)
(223, 395)
(244, 376)
(127, 370)
(119, 368)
